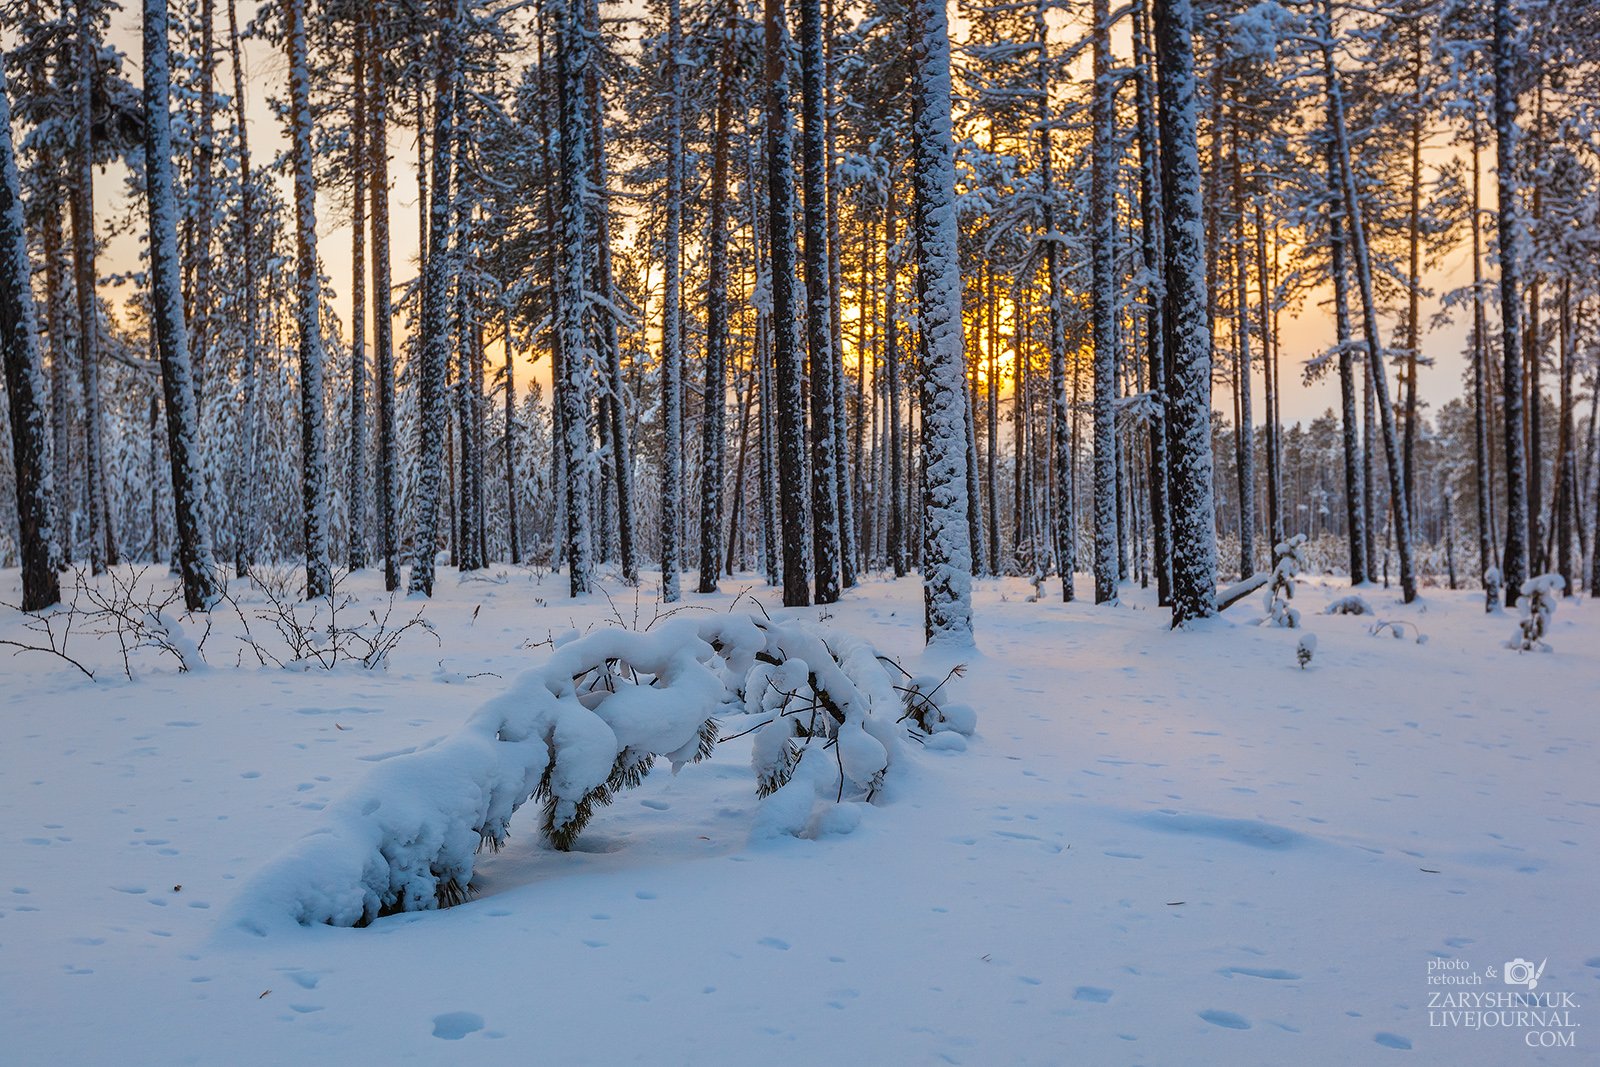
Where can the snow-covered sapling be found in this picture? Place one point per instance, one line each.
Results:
(1539, 596)
(1306, 648)
(1280, 587)
(1491, 589)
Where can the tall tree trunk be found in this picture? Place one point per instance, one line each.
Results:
(434, 342)
(788, 405)
(24, 378)
(1188, 336)
(246, 504)
(846, 510)
(615, 398)
(1061, 432)
(946, 549)
(1354, 499)
(1102, 212)
(1480, 385)
(513, 435)
(1414, 275)
(1507, 65)
(714, 423)
(1150, 219)
(377, 182)
(1246, 431)
(891, 375)
(308, 281)
(572, 59)
(357, 489)
(671, 322)
(819, 314)
(166, 293)
(102, 538)
(1363, 268)
(1269, 381)
(1566, 464)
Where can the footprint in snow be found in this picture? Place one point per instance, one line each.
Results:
(655, 805)
(1228, 1019)
(774, 942)
(1275, 973)
(1388, 1040)
(454, 1025)
(1091, 994)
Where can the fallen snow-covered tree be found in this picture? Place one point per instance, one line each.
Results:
(828, 715)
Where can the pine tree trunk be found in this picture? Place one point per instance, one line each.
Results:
(377, 182)
(1102, 211)
(1245, 432)
(246, 504)
(1354, 499)
(102, 541)
(1188, 336)
(1414, 278)
(788, 405)
(672, 324)
(357, 488)
(819, 309)
(615, 399)
(1566, 465)
(1480, 363)
(1151, 216)
(713, 424)
(572, 58)
(1401, 524)
(1507, 60)
(946, 548)
(891, 373)
(513, 434)
(841, 435)
(24, 378)
(1269, 383)
(434, 341)
(166, 301)
(308, 281)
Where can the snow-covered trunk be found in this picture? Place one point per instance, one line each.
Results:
(1102, 241)
(1188, 334)
(1566, 465)
(788, 405)
(974, 500)
(672, 321)
(513, 434)
(166, 301)
(1269, 378)
(843, 469)
(1480, 386)
(1150, 227)
(377, 164)
(434, 341)
(1244, 433)
(1401, 520)
(946, 549)
(356, 491)
(713, 424)
(308, 308)
(1414, 267)
(24, 378)
(615, 399)
(992, 420)
(1355, 511)
(891, 375)
(1507, 65)
(246, 502)
(63, 487)
(102, 541)
(819, 309)
(572, 59)
(1060, 426)
(761, 356)
(469, 363)
(201, 308)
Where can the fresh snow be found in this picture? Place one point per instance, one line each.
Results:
(1158, 847)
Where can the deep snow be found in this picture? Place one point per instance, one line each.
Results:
(1159, 848)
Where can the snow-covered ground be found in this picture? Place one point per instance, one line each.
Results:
(1159, 848)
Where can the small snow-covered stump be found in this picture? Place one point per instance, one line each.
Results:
(828, 718)
(1348, 605)
(1491, 589)
(1539, 597)
(1287, 561)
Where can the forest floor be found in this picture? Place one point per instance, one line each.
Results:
(1158, 848)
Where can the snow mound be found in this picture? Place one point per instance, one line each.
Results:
(829, 721)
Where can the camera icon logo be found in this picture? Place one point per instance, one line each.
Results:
(1522, 972)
